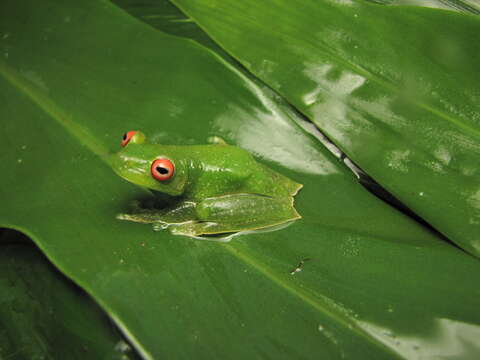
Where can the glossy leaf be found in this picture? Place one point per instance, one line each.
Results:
(468, 6)
(43, 315)
(375, 285)
(393, 87)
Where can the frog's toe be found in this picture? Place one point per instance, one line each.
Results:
(122, 217)
(216, 140)
(158, 226)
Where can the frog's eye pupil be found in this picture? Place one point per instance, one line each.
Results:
(162, 169)
(124, 136)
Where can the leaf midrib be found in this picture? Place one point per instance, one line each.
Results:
(38, 97)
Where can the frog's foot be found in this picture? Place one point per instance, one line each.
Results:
(216, 140)
(238, 212)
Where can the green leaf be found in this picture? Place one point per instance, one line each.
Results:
(468, 6)
(44, 316)
(393, 87)
(377, 284)
(166, 17)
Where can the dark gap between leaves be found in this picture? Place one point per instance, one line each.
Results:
(11, 237)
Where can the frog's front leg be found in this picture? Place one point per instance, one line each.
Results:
(178, 213)
(238, 212)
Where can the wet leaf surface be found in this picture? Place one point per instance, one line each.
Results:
(377, 284)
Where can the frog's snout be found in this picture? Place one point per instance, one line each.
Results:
(121, 164)
(129, 167)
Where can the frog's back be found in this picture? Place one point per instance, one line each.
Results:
(217, 169)
(221, 169)
(233, 161)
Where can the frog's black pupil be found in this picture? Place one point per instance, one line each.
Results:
(162, 170)
(124, 136)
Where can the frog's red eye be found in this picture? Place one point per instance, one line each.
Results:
(127, 137)
(162, 169)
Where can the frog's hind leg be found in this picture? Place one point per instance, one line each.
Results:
(238, 212)
(280, 183)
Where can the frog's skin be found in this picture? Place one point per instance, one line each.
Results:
(215, 188)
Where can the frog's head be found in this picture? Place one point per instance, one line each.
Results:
(149, 165)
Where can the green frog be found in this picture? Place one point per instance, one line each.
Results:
(210, 189)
